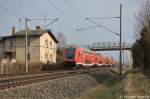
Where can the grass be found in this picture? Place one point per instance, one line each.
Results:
(132, 85)
(111, 89)
(138, 84)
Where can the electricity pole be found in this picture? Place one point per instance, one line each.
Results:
(120, 44)
(26, 44)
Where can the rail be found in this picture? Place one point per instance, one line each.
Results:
(9, 82)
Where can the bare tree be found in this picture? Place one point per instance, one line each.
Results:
(142, 45)
(62, 39)
(143, 21)
(62, 42)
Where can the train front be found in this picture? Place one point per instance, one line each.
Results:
(69, 57)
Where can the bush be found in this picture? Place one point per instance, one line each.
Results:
(47, 67)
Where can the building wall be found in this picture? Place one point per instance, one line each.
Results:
(18, 46)
(33, 49)
(47, 49)
(38, 50)
(1, 49)
(9, 44)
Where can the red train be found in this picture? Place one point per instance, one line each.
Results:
(75, 57)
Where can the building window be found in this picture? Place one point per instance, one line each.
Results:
(28, 56)
(46, 43)
(11, 42)
(46, 56)
(51, 57)
(51, 45)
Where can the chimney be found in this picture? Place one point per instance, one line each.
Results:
(38, 28)
(13, 30)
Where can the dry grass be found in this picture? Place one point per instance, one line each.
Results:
(111, 89)
(137, 84)
(134, 84)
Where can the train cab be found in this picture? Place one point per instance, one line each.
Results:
(69, 57)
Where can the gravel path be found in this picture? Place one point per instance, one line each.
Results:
(63, 88)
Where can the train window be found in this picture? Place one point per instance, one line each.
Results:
(70, 53)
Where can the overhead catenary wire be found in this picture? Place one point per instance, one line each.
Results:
(14, 6)
(50, 23)
(73, 8)
(31, 7)
(11, 11)
(124, 3)
(18, 9)
(62, 12)
(102, 26)
(89, 27)
(81, 16)
(104, 18)
(43, 26)
(5, 20)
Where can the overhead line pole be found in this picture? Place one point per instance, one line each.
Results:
(120, 65)
(26, 44)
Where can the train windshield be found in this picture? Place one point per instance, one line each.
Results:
(70, 53)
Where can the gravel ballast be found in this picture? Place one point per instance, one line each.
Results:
(62, 88)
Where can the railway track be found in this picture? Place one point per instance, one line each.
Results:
(10, 82)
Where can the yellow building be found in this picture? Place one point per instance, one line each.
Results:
(41, 46)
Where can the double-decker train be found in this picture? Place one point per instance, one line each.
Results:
(76, 57)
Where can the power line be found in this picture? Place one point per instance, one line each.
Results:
(104, 18)
(80, 16)
(62, 12)
(73, 8)
(102, 26)
(31, 7)
(124, 3)
(90, 27)
(11, 11)
(15, 8)
(17, 14)
(7, 24)
(50, 23)
(5, 20)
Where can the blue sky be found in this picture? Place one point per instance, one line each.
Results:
(71, 15)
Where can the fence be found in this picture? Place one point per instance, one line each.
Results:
(12, 67)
